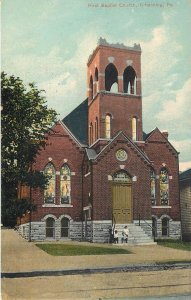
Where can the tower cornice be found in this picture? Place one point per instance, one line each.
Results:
(102, 43)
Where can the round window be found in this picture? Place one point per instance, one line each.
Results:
(121, 155)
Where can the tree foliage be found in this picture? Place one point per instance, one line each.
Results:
(26, 120)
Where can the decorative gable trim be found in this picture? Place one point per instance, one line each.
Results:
(132, 146)
(166, 141)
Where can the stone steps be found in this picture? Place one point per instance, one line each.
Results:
(137, 235)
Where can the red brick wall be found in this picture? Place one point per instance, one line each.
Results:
(102, 188)
(93, 113)
(122, 107)
(60, 146)
(161, 152)
(100, 60)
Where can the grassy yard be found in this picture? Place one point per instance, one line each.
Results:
(72, 250)
(175, 244)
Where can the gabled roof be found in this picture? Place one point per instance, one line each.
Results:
(94, 156)
(71, 134)
(186, 175)
(156, 130)
(146, 135)
(77, 122)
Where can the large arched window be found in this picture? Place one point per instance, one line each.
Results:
(165, 227)
(65, 226)
(129, 80)
(134, 128)
(65, 184)
(49, 192)
(91, 88)
(111, 76)
(107, 126)
(164, 186)
(152, 186)
(50, 228)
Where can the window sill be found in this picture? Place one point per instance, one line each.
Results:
(161, 206)
(57, 205)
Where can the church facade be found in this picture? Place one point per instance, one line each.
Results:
(104, 170)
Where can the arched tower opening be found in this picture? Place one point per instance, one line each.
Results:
(96, 81)
(111, 77)
(91, 88)
(129, 80)
(116, 76)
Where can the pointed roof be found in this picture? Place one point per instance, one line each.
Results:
(77, 122)
(71, 134)
(151, 136)
(92, 155)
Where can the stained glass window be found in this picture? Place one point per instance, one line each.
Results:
(65, 184)
(152, 186)
(121, 176)
(164, 186)
(49, 192)
(121, 155)
(108, 126)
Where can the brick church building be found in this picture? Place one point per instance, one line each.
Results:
(104, 170)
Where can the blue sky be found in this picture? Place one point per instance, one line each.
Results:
(49, 42)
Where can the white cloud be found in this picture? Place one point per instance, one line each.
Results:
(184, 147)
(32, 67)
(158, 57)
(179, 109)
(67, 90)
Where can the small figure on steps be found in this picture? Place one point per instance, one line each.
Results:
(125, 234)
(116, 237)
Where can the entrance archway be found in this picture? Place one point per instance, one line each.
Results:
(122, 198)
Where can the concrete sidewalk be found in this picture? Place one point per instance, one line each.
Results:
(18, 255)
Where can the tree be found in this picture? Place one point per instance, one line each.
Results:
(26, 121)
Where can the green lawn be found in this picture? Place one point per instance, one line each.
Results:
(175, 244)
(72, 250)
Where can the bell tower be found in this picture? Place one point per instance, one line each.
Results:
(114, 91)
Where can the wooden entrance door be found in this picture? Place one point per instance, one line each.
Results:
(122, 202)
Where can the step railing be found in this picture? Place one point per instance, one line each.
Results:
(152, 227)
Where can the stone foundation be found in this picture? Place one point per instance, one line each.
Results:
(93, 231)
(38, 231)
(101, 231)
